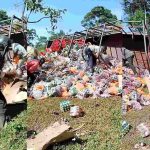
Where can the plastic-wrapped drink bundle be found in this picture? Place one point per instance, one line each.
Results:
(47, 66)
(37, 94)
(85, 93)
(125, 127)
(38, 90)
(58, 81)
(136, 105)
(143, 129)
(68, 83)
(65, 105)
(144, 100)
(105, 94)
(114, 77)
(146, 73)
(73, 91)
(134, 96)
(52, 92)
(76, 111)
(50, 77)
(98, 70)
(136, 83)
(58, 91)
(96, 78)
(104, 75)
(80, 95)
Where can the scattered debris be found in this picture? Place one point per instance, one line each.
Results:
(143, 129)
(53, 134)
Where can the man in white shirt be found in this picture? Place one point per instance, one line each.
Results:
(20, 51)
(94, 48)
(93, 53)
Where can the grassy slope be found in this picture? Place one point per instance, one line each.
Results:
(134, 118)
(100, 132)
(102, 123)
(13, 136)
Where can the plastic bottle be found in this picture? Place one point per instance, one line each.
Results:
(143, 129)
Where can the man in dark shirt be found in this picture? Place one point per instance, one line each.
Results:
(5, 42)
(127, 58)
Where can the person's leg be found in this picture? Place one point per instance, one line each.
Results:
(29, 78)
(88, 61)
(130, 64)
(123, 62)
(2, 110)
(92, 63)
(2, 121)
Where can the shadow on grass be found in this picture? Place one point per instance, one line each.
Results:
(64, 144)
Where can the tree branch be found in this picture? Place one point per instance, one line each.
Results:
(38, 20)
(29, 15)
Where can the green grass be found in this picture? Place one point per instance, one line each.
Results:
(134, 118)
(13, 136)
(101, 130)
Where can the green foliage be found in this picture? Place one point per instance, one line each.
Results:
(13, 137)
(31, 35)
(35, 6)
(55, 35)
(135, 10)
(98, 15)
(138, 15)
(4, 16)
(41, 42)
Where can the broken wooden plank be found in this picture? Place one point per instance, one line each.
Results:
(58, 132)
(11, 93)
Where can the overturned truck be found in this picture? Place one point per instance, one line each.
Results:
(134, 38)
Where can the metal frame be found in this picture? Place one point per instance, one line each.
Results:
(145, 46)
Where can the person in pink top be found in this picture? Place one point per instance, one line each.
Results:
(33, 67)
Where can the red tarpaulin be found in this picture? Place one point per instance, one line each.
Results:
(58, 45)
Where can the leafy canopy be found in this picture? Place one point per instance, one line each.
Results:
(4, 16)
(56, 35)
(135, 10)
(35, 6)
(97, 16)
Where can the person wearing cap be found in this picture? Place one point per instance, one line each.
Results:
(127, 59)
(33, 66)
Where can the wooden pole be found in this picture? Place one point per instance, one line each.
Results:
(145, 47)
(71, 44)
(10, 29)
